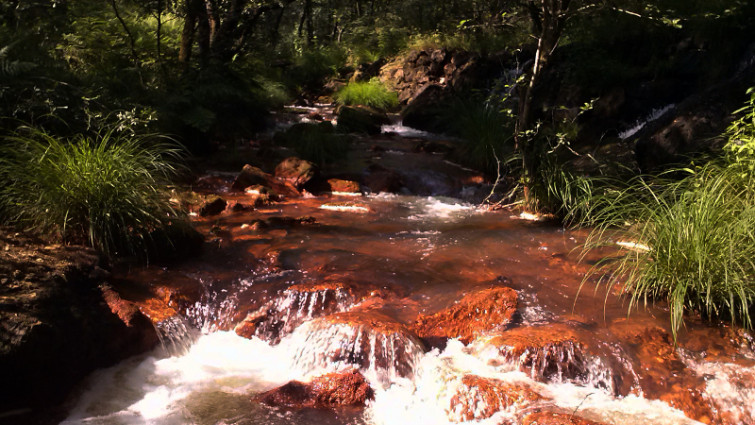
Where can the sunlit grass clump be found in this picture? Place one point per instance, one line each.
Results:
(107, 191)
(372, 93)
(689, 242)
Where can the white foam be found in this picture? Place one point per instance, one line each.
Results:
(654, 115)
(345, 208)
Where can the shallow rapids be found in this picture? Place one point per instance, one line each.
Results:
(400, 256)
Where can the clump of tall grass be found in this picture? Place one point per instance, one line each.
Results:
(690, 242)
(486, 133)
(372, 93)
(107, 191)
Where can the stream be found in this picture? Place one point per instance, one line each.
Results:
(392, 258)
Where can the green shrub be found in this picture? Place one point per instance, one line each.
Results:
(372, 93)
(108, 191)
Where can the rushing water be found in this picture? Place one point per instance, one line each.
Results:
(402, 256)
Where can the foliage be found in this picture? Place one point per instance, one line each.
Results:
(108, 191)
(692, 241)
(318, 143)
(372, 93)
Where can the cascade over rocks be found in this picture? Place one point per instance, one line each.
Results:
(294, 306)
(480, 398)
(474, 315)
(331, 390)
(371, 341)
(557, 352)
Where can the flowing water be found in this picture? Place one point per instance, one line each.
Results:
(392, 258)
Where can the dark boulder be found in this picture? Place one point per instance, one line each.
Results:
(361, 119)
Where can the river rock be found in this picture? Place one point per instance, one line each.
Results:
(480, 398)
(250, 176)
(56, 325)
(343, 186)
(331, 390)
(367, 340)
(361, 119)
(477, 313)
(425, 109)
(380, 179)
(293, 306)
(553, 418)
(296, 171)
(558, 352)
(214, 206)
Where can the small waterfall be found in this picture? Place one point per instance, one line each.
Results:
(382, 354)
(176, 335)
(294, 306)
(640, 124)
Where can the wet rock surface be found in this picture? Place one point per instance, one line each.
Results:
(480, 398)
(250, 176)
(476, 314)
(368, 340)
(663, 375)
(57, 323)
(361, 119)
(331, 390)
(553, 418)
(557, 352)
(295, 305)
(296, 171)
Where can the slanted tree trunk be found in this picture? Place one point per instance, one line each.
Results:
(548, 22)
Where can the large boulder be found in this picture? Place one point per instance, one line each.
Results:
(426, 110)
(296, 172)
(477, 313)
(58, 323)
(361, 119)
(380, 179)
(331, 390)
(250, 176)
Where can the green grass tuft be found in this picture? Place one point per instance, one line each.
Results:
(372, 93)
(694, 241)
(108, 191)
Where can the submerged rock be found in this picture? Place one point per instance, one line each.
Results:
(477, 313)
(480, 398)
(331, 390)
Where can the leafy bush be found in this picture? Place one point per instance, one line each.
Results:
(372, 93)
(108, 191)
